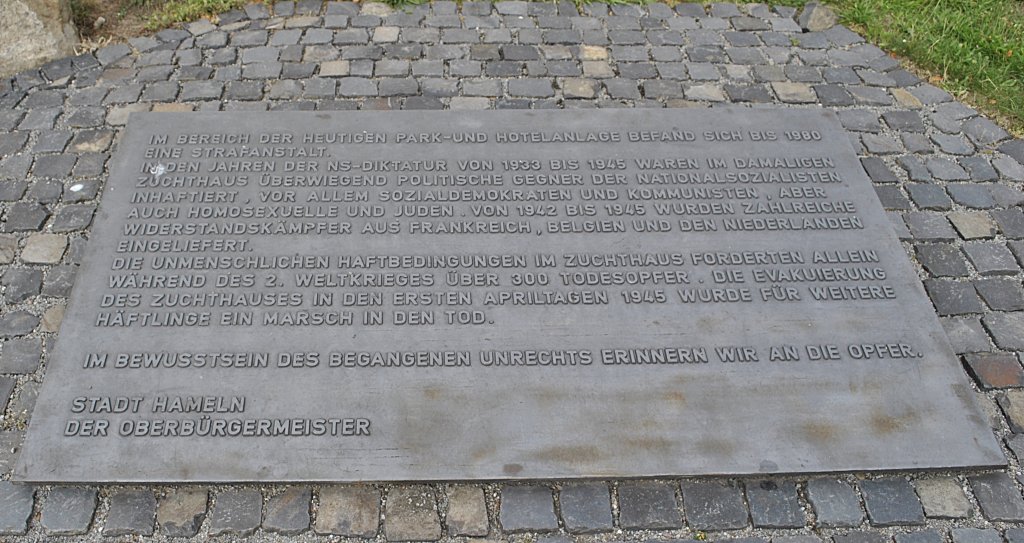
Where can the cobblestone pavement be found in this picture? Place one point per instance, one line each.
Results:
(950, 179)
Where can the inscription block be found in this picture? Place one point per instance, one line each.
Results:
(495, 295)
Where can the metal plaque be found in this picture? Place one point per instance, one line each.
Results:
(341, 296)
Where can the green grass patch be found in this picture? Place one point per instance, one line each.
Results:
(972, 48)
(169, 12)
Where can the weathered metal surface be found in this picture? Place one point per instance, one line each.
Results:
(442, 296)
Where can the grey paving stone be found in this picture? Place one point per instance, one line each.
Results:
(1007, 329)
(714, 505)
(21, 284)
(288, 513)
(1009, 168)
(25, 216)
(236, 512)
(973, 224)
(348, 510)
(860, 120)
(877, 170)
(44, 248)
(998, 497)
(915, 168)
(942, 497)
(648, 505)
(73, 218)
(748, 93)
(17, 323)
(1001, 294)
(131, 513)
(531, 88)
(892, 502)
(586, 507)
(966, 334)
(68, 510)
(984, 132)
(976, 535)
(952, 297)
(6, 388)
(833, 95)
(1014, 535)
(953, 144)
(15, 507)
(12, 191)
(528, 508)
(928, 226)
(1015, 149)
(356, 86)
(774, 504)
(21, 356)
(46, 191)
(991, 258)
(880, 144)
(1012, 404)
(467, 512)
(948, 170)
(835, 503)
(979, 168)
(411, 514)
(1010, 222)
(942, 259)
(181, 512)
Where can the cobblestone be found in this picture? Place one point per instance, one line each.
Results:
(527, 509)
(348, 510)
(648, 506)
(131, 512)
(288, 512)
(68, 510)
(998, 497)
(411, 515)
(236, 513)
(835, 503)
(15, 508)
(714, 506)
(774, 504)
(586, 508)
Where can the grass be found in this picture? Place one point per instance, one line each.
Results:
(972, 48)
(176, 11)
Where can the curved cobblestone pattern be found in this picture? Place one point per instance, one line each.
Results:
(950, 179)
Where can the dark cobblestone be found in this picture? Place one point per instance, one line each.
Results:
(774, 504)
(15, 507)
(236, 512)
(892, 502)
(527, 509)
(714, 506)
(991, 258)
(131, 512)
(951, 298)
(835, 503)
(586, 508)
(999, 497)
(68, 510)
(648, 506)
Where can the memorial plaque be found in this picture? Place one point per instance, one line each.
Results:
(495, 295)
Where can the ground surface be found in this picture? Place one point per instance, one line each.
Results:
(950, 178)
